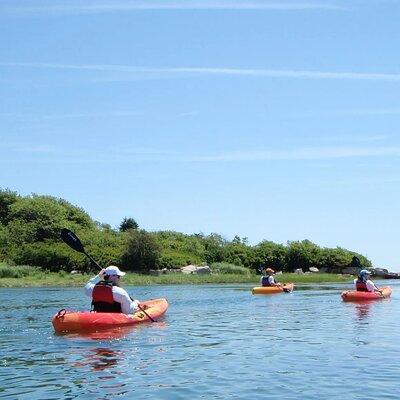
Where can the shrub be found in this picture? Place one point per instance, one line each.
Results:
(226, 268)
(7, 271)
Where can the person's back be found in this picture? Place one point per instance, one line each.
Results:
(107, 296)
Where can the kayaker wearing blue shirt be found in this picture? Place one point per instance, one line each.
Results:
(363, 283)
(106, 294)
(269, 279)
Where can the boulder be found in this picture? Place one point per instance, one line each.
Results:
(299, 271)
(175, 271)
(350, 271)
(392, 275)
(189, 269)
(204, 270)
(313, 269)
(74, 272)
(194, 269)
(380, 272)
(164, 271)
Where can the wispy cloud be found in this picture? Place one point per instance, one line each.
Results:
(138, 154)
(126, 72)
(89, 115)
(307, 153)
(353, 139)
(348, 112)
(364, 181)
(105, 114)
(104, 6)
(38, 149)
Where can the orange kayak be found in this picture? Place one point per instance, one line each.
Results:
(73, 321)
(287, 287)
(353, 295)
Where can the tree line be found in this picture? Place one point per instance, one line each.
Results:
(30, 235)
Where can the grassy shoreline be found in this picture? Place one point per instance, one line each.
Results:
(43, 279)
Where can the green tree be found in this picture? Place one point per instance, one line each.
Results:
(141, 251)
(37, 218)
(303, 254)
(33, 229)
(7, 198)
(269, 254)
(128, 223)
(238, 253)
(214, 248)
(179, 249)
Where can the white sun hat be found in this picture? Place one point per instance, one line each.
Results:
(113, 270)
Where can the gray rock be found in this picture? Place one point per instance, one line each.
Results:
(194, 269)
(189, 269)
(154, 272)
(299, 271)
(380, 272)
(203, 270)
(313, 269)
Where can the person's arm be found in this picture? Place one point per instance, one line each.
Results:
(92, 282)
(128, 306)
(371, 286)
(272, 281)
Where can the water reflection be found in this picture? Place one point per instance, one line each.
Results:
(363, 310)
(100, 359)
(108, 334)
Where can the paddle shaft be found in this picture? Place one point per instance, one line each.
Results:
(92, 260)
(141, 309)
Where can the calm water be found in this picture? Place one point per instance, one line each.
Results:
(215, 342)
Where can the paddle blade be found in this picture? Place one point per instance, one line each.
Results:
(72, 240)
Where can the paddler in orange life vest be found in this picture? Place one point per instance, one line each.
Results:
(269, 279)
(106, 294)
(363, 283)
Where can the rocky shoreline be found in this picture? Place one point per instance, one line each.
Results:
(205, 269)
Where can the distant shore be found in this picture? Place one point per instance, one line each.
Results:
(43, 279)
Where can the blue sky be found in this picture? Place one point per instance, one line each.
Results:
(273, 120)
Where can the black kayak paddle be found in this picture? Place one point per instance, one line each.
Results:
(73, 241)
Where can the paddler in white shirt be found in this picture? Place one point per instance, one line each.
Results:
(107, 295)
